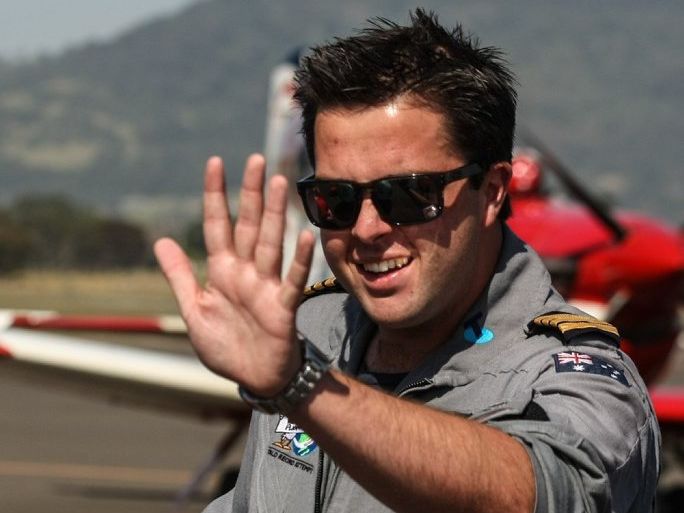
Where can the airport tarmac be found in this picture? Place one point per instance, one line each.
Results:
(65, 453)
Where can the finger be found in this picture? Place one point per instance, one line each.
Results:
(294, 283)
(216, 226)
(178, 272)
(269, 250)
(251, 205)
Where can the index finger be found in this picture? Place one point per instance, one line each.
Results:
(217, 224)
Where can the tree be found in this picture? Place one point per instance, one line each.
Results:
(111, 243)
(54, 225)
(15, 244)
(63, 234)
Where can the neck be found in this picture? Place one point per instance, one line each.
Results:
(396, 352)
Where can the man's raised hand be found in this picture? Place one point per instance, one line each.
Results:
(242, 322)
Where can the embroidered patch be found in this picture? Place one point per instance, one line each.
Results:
(292, 441)
(580, 362)
(303, 444)
(293, 462)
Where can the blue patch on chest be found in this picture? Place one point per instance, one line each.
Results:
(476, 334)
(485, 335)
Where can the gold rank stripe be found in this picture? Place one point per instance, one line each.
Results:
(555, 319)
(570, 326)
(320, 286)
(566, 323)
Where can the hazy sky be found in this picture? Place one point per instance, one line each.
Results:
(30, 27)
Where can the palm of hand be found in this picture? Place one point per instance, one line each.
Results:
(241, 323)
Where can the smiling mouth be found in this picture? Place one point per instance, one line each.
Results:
(386, 265)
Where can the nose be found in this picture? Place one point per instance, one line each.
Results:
(369, 225)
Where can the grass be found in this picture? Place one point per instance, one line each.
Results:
(134, 292)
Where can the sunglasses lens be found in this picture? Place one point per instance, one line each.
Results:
(400, 200)
(331, 205)
(407, 200)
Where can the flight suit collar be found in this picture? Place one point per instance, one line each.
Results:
(497, 321)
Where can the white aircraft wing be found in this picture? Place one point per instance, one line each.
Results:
(129, 375)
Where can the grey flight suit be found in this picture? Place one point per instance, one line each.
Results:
(575, 401)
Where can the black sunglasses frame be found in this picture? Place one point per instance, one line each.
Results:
(439, 179)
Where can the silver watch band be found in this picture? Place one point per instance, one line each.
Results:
(314, 366)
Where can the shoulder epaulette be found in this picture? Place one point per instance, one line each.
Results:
(572, 325)
(322, 287)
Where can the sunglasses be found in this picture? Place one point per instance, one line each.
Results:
(400, 200)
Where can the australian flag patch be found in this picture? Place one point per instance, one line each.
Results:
(581, 362)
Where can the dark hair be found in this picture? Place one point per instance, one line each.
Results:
(445, 70)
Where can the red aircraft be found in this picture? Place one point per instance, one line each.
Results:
(626, 268)
(622, 267)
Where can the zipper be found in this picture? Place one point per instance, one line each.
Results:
(423, 382)
(319, 483)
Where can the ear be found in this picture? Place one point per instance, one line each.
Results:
(495, 188)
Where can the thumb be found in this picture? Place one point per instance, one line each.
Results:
(177, 269)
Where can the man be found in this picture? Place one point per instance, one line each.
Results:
(460, 380)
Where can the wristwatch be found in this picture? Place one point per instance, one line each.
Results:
(314, 366)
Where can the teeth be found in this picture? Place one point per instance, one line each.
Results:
(386, 265)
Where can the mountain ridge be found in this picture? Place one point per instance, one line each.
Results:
(134, 118)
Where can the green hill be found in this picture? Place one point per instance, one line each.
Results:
(128, 123)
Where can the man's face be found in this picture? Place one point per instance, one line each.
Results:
(404, 276)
